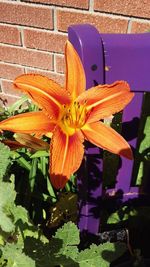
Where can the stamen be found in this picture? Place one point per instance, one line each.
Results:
(75, 115)
(75, 107)
(70, 119)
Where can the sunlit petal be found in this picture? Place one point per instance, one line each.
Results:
(75, 76)
(105, 100)
(31, 122)
(107, 138)
(46, 93)
(66, 156)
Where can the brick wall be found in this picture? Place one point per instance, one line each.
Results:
(33, 33)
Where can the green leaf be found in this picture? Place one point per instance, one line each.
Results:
(9, 212)
(69, 235)
(20, 158)
(6, 223)
(65, 242)
(114, 218)
(13, 255)
(100, 256)
(7, 194)
(20, 213)
(121, 215)
(61, 250)
(17, 104)
(4, 159)
(39, 154)
(7, 197)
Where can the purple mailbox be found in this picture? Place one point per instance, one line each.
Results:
(107, 58)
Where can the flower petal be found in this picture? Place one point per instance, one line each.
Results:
(13, 145)
(75, 76)
(31, 141)
(66, 156)
(46, 93)
(107, 138)
(31, 122)
(105, 100)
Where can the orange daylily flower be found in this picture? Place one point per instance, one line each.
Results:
(72, 114)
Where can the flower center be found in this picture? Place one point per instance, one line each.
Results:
(74, 117)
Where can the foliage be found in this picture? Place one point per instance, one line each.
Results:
(122, 214)
(4, 159)
(22, 244)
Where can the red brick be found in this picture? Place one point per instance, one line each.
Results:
(68, 3)
(26, 14)
(9, 35)
(138, 8)
(60, 63)
(26, 57)
(103, 23)
(59, 78)
(43, 40)
(6, 100)
(10, 72)
(139, 27)
(8, 88)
